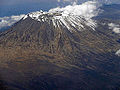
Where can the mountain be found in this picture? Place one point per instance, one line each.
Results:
(111, 11)
(58, 50)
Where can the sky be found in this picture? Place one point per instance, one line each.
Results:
(13, 10)
(14, 2)
(88, 10)
(17, 7)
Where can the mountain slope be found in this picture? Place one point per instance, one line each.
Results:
(41, 52)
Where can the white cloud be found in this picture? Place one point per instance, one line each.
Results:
(71, 1)
(114, 27)
(100, 1)
(8, 21)
(88, 9)
(58, 0)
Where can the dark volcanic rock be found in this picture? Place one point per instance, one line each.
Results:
(38, 56)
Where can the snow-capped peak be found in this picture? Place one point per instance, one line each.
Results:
(71, 16)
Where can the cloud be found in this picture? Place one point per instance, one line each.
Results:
(71, 1)
(14, 2)
(100, 1)
(114, 27)
(88, 9)
(8, 21)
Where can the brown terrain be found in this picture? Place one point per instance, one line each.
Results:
(37, 56)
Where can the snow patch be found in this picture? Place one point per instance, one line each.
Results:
(118, 53)
(71, 16)
(114, 27)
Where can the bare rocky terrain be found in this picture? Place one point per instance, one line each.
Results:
(37, 56)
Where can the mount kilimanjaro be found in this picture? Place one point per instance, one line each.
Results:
(58, 50)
